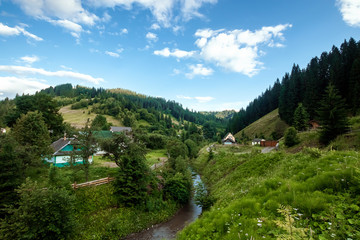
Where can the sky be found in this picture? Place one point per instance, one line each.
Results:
(208, 55)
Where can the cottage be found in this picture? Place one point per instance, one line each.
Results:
(257, 141)
(229, 139)
(65, 149)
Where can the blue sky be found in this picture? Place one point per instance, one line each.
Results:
(206, 54)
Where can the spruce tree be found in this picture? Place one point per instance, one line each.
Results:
(301, 118)
(332, 115)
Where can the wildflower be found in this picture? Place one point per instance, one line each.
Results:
(239, 224)
(329, 223)
(259, 224)
(259, 220)
(246, 234)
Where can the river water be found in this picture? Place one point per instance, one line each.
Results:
(167, 230)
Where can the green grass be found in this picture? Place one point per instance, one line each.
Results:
(321, 189)
(78, 117)
(155, 156)
(271, 122)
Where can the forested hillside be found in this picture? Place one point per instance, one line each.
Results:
(339, 67)
(156, 115)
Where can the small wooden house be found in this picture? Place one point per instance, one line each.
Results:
(268, 143)
(229, 139)
(65, 151)
(256, 141)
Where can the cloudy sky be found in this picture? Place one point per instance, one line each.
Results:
(205, 54)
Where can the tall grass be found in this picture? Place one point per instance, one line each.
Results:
(321, 188)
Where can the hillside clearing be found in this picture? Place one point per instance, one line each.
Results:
(78, 117)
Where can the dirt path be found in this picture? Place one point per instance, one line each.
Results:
(267, 149)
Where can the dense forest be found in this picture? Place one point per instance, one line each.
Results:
(340, 68)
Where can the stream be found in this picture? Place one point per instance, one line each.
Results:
(167, 230)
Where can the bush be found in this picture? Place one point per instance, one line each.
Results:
(178, 188)
(291, 137)
(41, 214)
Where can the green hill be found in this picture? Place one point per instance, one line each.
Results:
(268, 125)
(309, 195)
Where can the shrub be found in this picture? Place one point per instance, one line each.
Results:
(41, 214)
(291, 137)
(178, 188)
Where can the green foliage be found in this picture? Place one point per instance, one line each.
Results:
(291, 137)
(291, 231)
(87, 146)
(100, 123)
(332, 115)
(31, 132)
(41, 214)
(301, 118)
(176, 148)
(11, 173)
(131, 180)
(83, 103)
(202, 197)
(178, 188)
(193, 148)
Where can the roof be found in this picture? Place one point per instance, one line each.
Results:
(257, 140)
(120, 129)
(229, 137)
(60, 144)
(102, 134)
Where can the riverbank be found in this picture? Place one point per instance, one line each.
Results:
(168, 230)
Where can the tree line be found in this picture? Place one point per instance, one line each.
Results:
(339, 68)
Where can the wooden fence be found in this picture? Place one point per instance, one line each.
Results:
(93, 183)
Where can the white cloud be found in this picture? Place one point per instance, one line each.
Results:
(238, 50)
(20, 70)
(10, 86)
(112, 54)
(151, 36)
(175, 53)
(155, 26)
(69, 25)
(15, 31)
(198, 99)
(68, 14)
(199, 69)
(190, 8)
(71, 10)
(106, 17)
(350, 10)
(162, 10)
(30, 59)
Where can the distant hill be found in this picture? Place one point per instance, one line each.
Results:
(268, 125)
(226, 114)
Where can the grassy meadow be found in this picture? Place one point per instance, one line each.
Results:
(78, 117)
